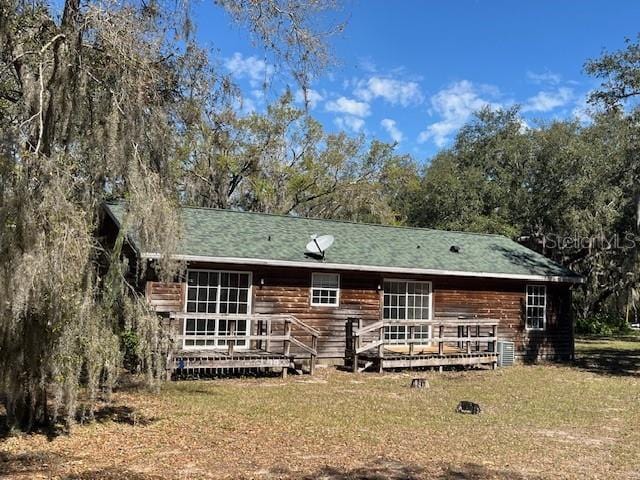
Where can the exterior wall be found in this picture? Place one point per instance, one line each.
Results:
(505, 301)
(287, 290)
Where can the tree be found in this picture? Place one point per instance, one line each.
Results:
(564, 189)
(282, 161)
(95, 106)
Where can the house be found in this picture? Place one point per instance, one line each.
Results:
(254, 295)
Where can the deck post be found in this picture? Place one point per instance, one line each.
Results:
(356, 345)
(440, 342)
(268, 333)
(477, 338)
(286, 351)
(259, 344)
(232, 332)
(314, 346)
(494, 342)
(381, 348)
(468, 339)
(411, 338)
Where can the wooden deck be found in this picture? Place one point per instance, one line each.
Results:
(453, 343)
(195, 363)
(266, 346)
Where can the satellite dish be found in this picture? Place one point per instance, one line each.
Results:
(318, 245)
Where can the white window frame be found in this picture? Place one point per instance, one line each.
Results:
(217, 312)
(337, 290)
(544, 296)
(399, 323)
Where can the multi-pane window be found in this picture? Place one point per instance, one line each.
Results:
(406, 300)
(325, 289)
(213, 292)
(536, 307)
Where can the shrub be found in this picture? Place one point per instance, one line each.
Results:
(129, 342)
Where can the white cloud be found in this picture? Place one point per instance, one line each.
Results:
(257, 71)
(313, 97)
(367, 64)
(582, 109)
(394, 132)
(348, 106)
(455, 105)
(544, 77)
(349, 122)
(393, 91)
(546, 101)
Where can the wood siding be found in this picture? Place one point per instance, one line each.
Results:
(287, 290)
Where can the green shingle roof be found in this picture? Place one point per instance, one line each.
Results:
(279, 239)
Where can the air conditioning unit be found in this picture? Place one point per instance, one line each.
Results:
(506, 353)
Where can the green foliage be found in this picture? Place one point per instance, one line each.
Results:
(566, 189)
(603, 324)
(282, 161)
(98, 103)
(130, 343)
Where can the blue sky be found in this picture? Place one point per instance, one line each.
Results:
(414, 71)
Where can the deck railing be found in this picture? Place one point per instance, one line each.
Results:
(472, 335)
(266, 332)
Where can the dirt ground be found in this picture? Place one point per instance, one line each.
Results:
(546, 421)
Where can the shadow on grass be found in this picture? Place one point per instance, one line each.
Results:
(49, 431)
(472, 471)
(122, 414)
(31, 464)
(112, 474)
(108, 413)
(39, 464)
(379, 470)
(610, 361)
(392, 470)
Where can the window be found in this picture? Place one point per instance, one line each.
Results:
(216, 292)
(406, 300)
(325, 289)
(536, 308)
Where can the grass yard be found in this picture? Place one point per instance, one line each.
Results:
(579, 421)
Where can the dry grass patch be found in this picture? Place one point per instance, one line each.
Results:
(537, 422)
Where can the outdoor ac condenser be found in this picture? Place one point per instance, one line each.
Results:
(506, 353)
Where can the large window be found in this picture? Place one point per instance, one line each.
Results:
(406, 300)
(536, 308)
(216, 292)
(325, 289)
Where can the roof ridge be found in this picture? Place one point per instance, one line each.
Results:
(351, 222)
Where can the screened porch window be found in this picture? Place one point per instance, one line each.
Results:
(536, 307)
(325, 289)
(212, 292)
(406, 300)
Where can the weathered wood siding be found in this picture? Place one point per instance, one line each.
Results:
(166, 297)
(288, 290)
(504, 300)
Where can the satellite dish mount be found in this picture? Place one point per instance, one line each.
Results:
(318, 246)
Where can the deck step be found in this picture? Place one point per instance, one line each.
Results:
(367, 364)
